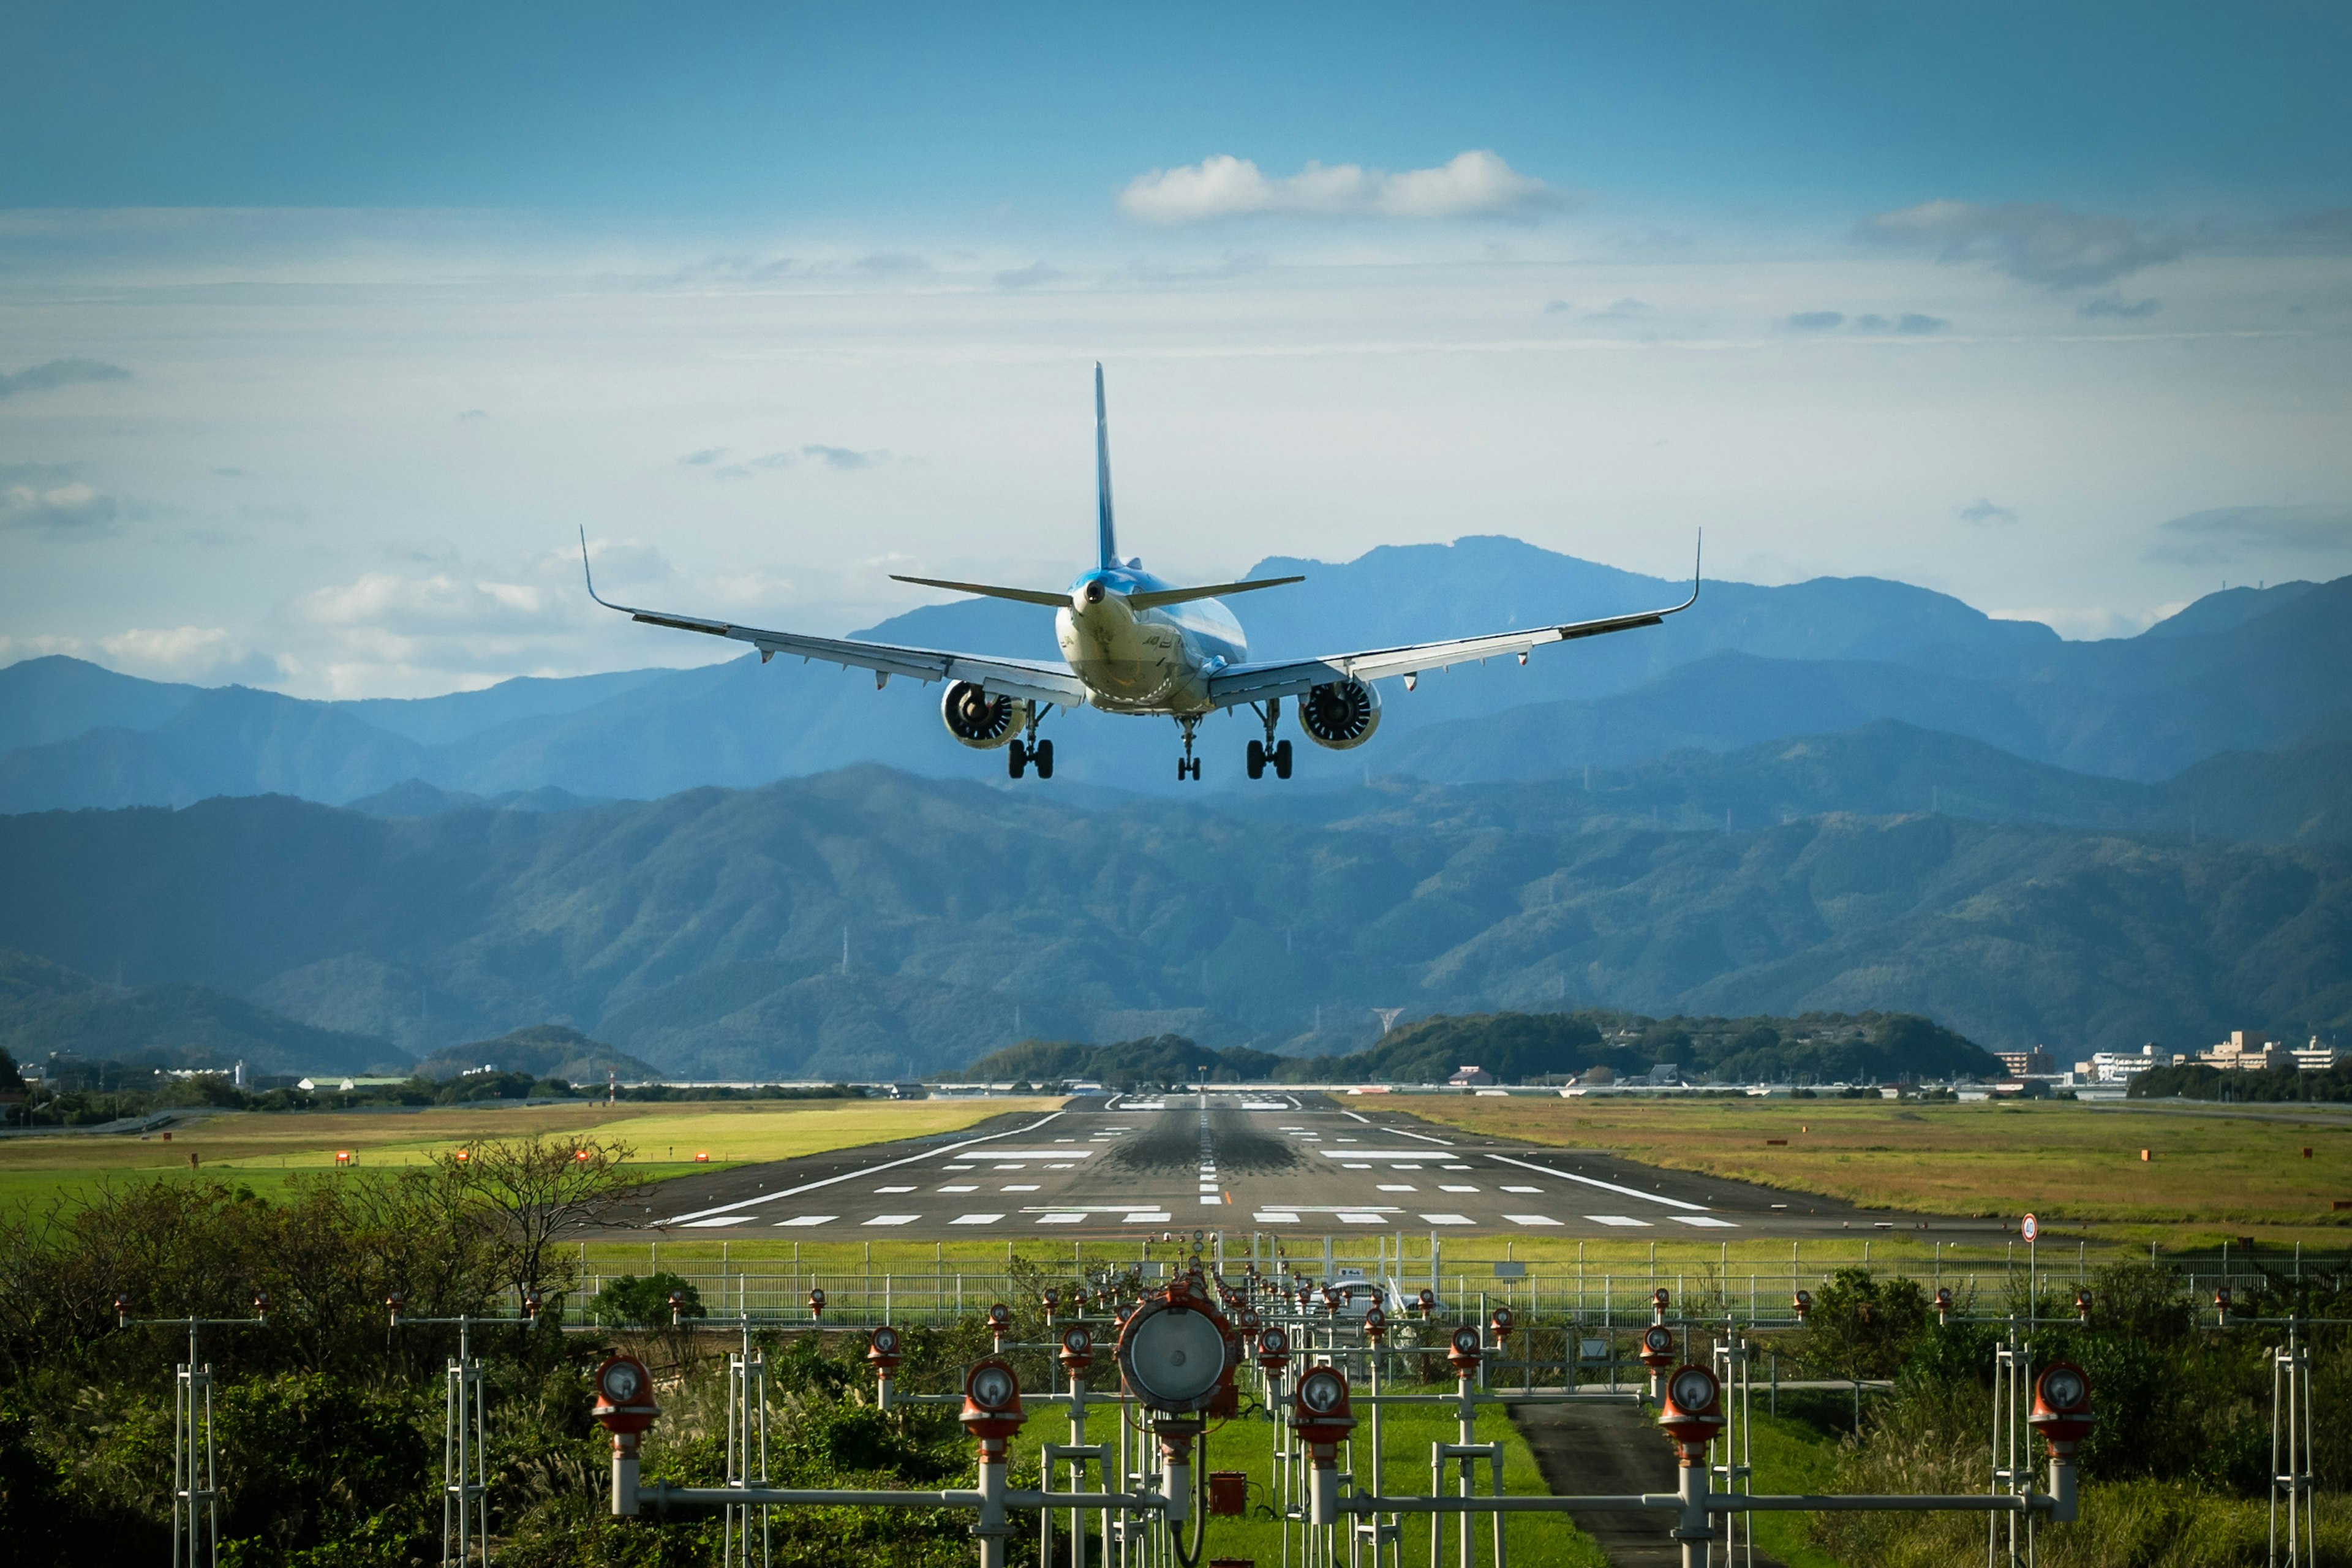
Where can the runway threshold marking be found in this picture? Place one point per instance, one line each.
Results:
(691, 1216)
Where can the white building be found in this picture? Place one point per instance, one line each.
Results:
(2122, 1066)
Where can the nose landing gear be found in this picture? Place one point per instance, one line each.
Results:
(1261, 752)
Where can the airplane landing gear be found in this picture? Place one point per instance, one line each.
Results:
(1187, 766)
(1030, 750)
(1261, 752)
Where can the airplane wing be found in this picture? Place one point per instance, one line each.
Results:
(1256, 682)
(1036, 681)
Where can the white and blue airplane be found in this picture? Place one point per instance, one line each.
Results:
(1134, 643)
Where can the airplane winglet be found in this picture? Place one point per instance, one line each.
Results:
(590, 575)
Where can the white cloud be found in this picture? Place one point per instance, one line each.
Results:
(1473, 184)
(2035, 242)
(438, 603)
(41, 498)
(1986, 509)
(57, 373)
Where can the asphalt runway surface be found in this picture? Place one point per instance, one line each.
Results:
(1236, 1160)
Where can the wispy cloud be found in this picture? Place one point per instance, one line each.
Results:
(1473, 184)
(1984, 510)
(53, 373)
(2229, 533)
(1815, 321)
(1027, 277)
(2114, 305)
(703, 458)
(2034, 242)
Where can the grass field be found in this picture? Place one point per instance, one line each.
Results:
(262, 1149)
(2212, 1173)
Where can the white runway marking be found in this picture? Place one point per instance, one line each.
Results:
(1447, 1218)
(894, 1219)
(808, 1219)
(1455, 1188)
(1618, 1219)
(894, 1189)
(1709, 1221)
(1523, 1189)
(1150, 1216)
(723, 1219)
(1021, 1187)
(976, 1219)
(1530, 1219)
(1604, 1186)
(961, 1187)
(1274, 1217)
(1398, 1187)
(1354, 1216)
(1061, 1219)
(853, 1176)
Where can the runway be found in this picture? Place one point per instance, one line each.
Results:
(1127, 1166)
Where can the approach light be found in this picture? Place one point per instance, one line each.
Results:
(1693, 1411)
(1173, 1353)
(1804, 1303)
(393, 1304)
(1501, 1321)
(1077, 1352)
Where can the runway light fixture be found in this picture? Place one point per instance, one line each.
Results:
(1465, 1351)
(1077, 1350)
(1501, 1321)
(2082, 1306)
(1804, 1303)
(393, 1304)
(1692, 1412)
(1943, 1307)
(1173, 1352)
(817, 1304)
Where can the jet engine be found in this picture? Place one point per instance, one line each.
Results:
(1341, 715)
(980, 721)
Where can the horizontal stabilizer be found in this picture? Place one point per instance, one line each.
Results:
(987, 591)
(1158, 597)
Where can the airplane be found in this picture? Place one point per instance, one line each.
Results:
(1133, 643)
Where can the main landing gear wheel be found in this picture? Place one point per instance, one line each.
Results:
(1256, 760)
(1020, 755)
(1261, 752)
(1281, 759)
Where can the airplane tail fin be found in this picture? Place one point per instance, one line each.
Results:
(1107, 541)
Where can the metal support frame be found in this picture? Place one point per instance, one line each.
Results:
(747, 1455)
(465, 1462)
(2292, 1480)
(2013, 1453)
(196, 1490)
(1737, 1467)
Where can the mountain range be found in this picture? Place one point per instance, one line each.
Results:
(870, 923)
(2241, 670)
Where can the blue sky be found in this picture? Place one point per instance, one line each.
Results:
(322, 328)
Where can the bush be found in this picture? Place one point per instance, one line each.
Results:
(631, 1301)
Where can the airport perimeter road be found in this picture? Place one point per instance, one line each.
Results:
(1237, 1160)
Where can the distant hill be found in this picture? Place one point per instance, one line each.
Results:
(45, 1007)
(704, 933)
(543, 1050)
(1523, 1048)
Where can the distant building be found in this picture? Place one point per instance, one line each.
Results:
(2247, 1050)
(2035, 1063)
(2315, 1057)
(2122, 1066)
(1469, 1076)
(1666, 1072)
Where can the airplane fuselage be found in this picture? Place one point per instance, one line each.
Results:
(1157, 660)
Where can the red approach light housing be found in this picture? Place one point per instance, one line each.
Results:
(1502, 1321)
(1693, 1412)
(261, 1305)
(1051, 1300)
(2221, 1305)
(1246, 1319)
(1426, 1301)
(624, 1395)
(394, 1304)
(1804, 1303)
(1000, 1318)
(1943, 1306)
(991, 1404)
(1077, 1352)
(1658, 1300)
(1177, 1354)
(676, 1308)
(882, 1351)
(531, 1305)
(1376, 1324)
(121, 1312)
(1658, 1348)
(1464, 1352)
(2062, 1407)
(1272, 1349)
(816, 1303)
(1321, 1413)
(2082, 1306)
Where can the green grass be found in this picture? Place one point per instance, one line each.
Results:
(262, 1149)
